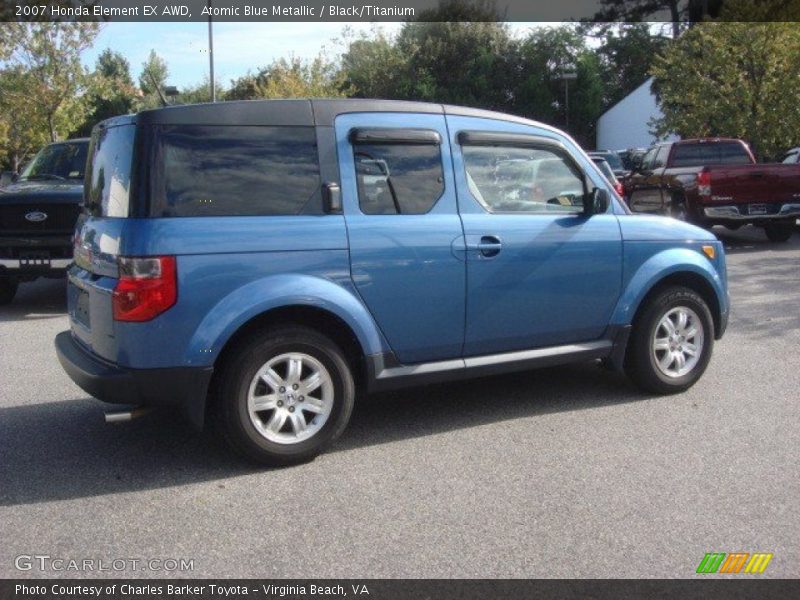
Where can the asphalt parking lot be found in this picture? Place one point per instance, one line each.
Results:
(563, 472)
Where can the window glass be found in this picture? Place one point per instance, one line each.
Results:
(107, 189)
(517, 179)
(700, 154)
(791, 158)
(58, 161)
(234, 171)
(661, 157)
(396, 179)
(649, 159)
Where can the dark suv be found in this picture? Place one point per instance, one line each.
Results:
(38, 212)
(258, 263)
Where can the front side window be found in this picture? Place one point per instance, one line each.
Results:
(234, 171)
(398, 178)
(661, 157)
(523, 179)
(791, 158)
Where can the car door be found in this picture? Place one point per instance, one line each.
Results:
(399, 203)
(539, 271)
(646, 187)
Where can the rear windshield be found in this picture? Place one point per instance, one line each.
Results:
(604, 167)
(234, 171)
(698, 155)
(614, 161)
(107, 188)
(58, 162)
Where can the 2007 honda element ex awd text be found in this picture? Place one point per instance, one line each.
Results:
(260, 263)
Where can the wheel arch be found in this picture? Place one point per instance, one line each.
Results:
(684, 267)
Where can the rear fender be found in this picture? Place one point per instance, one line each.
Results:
(258, 297)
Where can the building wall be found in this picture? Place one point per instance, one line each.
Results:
(626, 124)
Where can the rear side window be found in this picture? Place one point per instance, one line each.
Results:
(698, 155)
(791, 158)
(234, 171)
(107, 186)
(398, 178)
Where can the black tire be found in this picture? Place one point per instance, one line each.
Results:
(640, 358)
(780, 232)
(239, 369)
(8, 289)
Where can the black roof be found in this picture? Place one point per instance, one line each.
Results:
(297, 112)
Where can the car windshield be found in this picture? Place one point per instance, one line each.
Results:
(613, 159)
(58, 162)
(605, 168)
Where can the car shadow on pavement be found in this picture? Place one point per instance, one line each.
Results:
(752, 239)
(43, 299)
(63, 450)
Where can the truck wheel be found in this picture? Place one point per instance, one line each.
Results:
(8, 289)
(671, 341)
(284, 396)
(779, 232)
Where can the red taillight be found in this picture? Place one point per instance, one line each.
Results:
(146, 288)
(618, 187)
(704, 183)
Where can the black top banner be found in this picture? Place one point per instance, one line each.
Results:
(396, 10)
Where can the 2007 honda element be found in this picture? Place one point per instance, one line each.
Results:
(259, 263)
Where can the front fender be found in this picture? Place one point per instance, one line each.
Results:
(257, 297)
(643, 275)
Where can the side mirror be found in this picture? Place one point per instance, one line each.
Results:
(8, 177)
(331, 198)
(598, 202)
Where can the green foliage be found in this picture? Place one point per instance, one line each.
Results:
(111, 92)
(43, 84)
(292, 78)
(152, 79)
(735, 79)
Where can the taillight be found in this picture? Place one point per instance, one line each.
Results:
(704, 183)
(618, 187)
(146, 288)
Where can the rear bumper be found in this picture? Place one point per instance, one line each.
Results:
(735, 213)
(182, 387)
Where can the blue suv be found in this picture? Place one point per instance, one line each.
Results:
(259, 264)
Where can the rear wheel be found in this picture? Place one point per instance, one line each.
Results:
(671, 342)
(8, 289)
(779, 232)
(284, 396)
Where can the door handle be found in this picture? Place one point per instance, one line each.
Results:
(488, 246)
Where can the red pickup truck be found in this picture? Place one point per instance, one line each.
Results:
(716, 181)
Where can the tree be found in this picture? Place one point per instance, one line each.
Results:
(292, 78)
(739, 79)
(374, 67)
(200, 92)
(152, 80)
(112, 91)
(23, 126)
(45, 59)
(681, 12)
(539, 89)
(626, 54)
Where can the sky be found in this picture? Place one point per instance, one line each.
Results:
(238, 47)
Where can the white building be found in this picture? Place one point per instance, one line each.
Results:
(627, 123)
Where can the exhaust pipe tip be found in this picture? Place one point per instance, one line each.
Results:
(123, 416)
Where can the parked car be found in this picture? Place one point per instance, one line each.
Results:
(631, 157)
(258, 263)
(792, 157)
(614, 160)
(38, 211)
(716, 181)
(605, 168)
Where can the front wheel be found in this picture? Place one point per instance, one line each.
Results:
(671, 342)
(779, 232)
(284, 396)
(8, 289)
